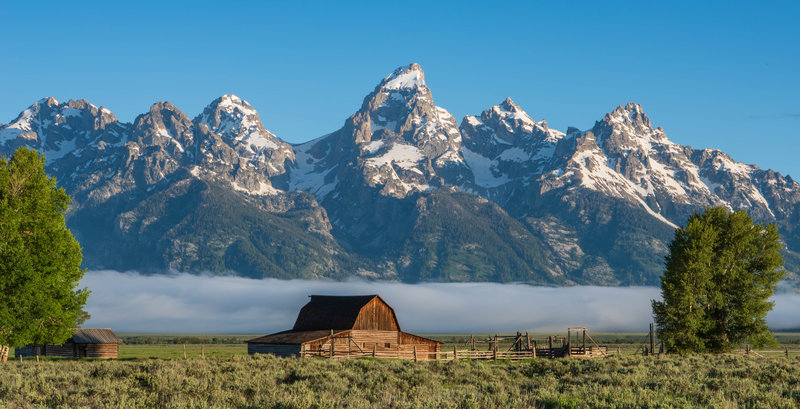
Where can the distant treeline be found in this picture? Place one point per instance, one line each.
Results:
(182, 339)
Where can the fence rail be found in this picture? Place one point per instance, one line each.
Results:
(459, 354)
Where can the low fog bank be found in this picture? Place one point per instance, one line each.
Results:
(185, 303)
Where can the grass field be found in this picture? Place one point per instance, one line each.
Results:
(157, 375)
(239, 381)
(171, 346)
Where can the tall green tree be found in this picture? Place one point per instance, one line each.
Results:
(720, 272)
(40, 260)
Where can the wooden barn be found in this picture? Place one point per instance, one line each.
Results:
(342, 326)
(85, 343)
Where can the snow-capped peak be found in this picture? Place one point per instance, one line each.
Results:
(50, 101)
(233, 118)
(405, 78)
(231, 103)
(509, 105)
(508, 109)
(238, 123)
(631, 114)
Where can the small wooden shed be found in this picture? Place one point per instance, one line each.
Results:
(85, 343)
(353, 324)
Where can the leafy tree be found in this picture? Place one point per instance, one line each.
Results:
(39, 258)
(720, 272)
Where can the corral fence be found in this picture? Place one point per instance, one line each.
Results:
(522, 347)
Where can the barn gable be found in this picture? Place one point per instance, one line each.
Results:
(362, 312)
(345, 326)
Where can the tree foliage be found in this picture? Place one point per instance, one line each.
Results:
(720, 272)
(39, 258)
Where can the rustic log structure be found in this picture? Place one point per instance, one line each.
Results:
(345, 326)
(85, 343)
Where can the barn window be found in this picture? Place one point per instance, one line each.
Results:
(388, 345)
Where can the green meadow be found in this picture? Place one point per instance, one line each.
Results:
(239, 381)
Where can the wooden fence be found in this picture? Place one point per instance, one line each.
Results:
(575, 352)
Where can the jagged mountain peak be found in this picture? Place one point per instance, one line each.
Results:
(231, 103)
(50, 101)
(238, 123)
(631, 114)
(508, 109)
(164, 106)
(232, 117)
(409, 77)
(509, 105)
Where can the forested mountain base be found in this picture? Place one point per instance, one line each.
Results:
(719, 381)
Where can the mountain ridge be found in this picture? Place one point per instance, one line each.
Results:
(402, 191)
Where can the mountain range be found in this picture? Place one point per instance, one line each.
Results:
(402, 191)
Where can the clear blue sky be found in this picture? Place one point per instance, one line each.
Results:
(720, 74)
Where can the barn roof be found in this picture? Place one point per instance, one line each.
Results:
(95, 336)
(326, 312)
(292, 337)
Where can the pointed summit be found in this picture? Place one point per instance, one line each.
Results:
(509, 105)
(238, 123)
(509, 110)
(231, 103)
(404, 78)
(49, 101)
(632, 114)
(231, 117)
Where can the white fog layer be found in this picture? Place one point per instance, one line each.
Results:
(184, 303)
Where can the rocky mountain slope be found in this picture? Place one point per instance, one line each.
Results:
(401, 191)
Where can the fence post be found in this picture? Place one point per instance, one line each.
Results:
(415, 353)
(184, 351)
(455, 353)
(652, 338)
(332, 344)
(747, 349)
(786, 350)
(202, 351)
(374, 347)
(569, 341)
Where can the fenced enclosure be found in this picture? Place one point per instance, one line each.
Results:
(523, 346)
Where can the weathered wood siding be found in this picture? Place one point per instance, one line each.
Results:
(379, 339)
(361, 341)
(66, 350)
(70, 350)
(406, 338)
(376, 316)
(274, 349)
(100, 351)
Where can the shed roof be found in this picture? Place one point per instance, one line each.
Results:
(292, 337)
(326, 312)
(95, 336)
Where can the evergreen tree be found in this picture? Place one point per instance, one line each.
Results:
(720, 272)
(39, 258)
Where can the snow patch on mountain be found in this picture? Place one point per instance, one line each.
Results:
(484, 170)
(401, 155)
(403, 78)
